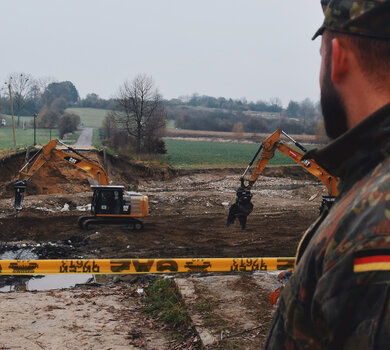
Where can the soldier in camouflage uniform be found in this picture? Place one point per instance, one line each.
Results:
(339, 294)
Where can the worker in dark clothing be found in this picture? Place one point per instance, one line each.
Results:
(339, 294)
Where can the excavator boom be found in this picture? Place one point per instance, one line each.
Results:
(243, 206)
(49, 152)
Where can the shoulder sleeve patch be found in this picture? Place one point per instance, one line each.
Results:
(371, 260)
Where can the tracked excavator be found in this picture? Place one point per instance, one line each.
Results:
(111, 205)
(243, 205)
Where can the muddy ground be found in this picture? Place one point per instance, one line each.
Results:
(187, 219)
(188, 212)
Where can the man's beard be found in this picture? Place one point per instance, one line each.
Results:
(333, 110)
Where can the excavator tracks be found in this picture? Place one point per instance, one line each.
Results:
(91, 222)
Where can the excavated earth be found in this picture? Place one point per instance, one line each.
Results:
(188, 211)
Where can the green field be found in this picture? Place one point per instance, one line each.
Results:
(28, 120)
(180, 153)
(96, 140)
(202, 154)
(90, 117)
(25, 138)
(170, 124)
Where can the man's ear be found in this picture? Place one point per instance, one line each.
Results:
(339, 60)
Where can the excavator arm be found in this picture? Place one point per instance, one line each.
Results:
(243, 206)
(49, 153)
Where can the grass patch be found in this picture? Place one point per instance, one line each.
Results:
(25, 138)
(164, 302)
(96, 140)
(90, 117)
(206, 154)
(170, 124)
(26, 120)
(205, 305)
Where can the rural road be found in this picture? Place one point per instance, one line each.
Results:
(85, 139)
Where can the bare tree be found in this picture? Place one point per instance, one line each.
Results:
(44, 82)
(38, 87)
(140, 111)
(21, 84)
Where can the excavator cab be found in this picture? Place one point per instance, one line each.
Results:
(112, 205)
(108, 200)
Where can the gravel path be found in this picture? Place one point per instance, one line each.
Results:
(85, 139)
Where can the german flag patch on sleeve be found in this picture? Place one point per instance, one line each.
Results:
(371, 260)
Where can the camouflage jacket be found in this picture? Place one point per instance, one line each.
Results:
(339, 294)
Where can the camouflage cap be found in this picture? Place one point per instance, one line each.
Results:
(357, 17)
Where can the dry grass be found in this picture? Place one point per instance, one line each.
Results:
(232, 135)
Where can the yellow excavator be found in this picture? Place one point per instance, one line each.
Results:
(111, 205)
(243, 205)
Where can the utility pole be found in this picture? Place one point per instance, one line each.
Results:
(12, 113)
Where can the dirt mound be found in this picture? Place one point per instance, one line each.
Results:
(63, 177)
(10, 164)
(128, 172)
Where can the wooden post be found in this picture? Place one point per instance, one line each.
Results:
(27, 153)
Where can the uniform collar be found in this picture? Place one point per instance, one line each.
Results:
(356, 152)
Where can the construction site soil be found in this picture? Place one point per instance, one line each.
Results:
(188, 212)
(187, 218)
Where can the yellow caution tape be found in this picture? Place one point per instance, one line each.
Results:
(136, 266)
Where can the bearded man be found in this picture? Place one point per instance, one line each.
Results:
(339, 294)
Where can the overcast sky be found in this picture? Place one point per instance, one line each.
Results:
(256, 49)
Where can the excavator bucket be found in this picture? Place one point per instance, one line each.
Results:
(19, 186)
(242, 207)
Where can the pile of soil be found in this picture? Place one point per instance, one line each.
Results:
(63, 177)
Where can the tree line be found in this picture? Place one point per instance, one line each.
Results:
(299, 117)
(43, 97)
(196, 100)
(136, 116)
(135, 121)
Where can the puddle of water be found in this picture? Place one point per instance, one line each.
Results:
(56, 282)
(20, 254)
(7, 289)
(50, 282)
(47, 282)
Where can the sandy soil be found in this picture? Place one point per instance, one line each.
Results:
(106, 318)
(230, 312)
